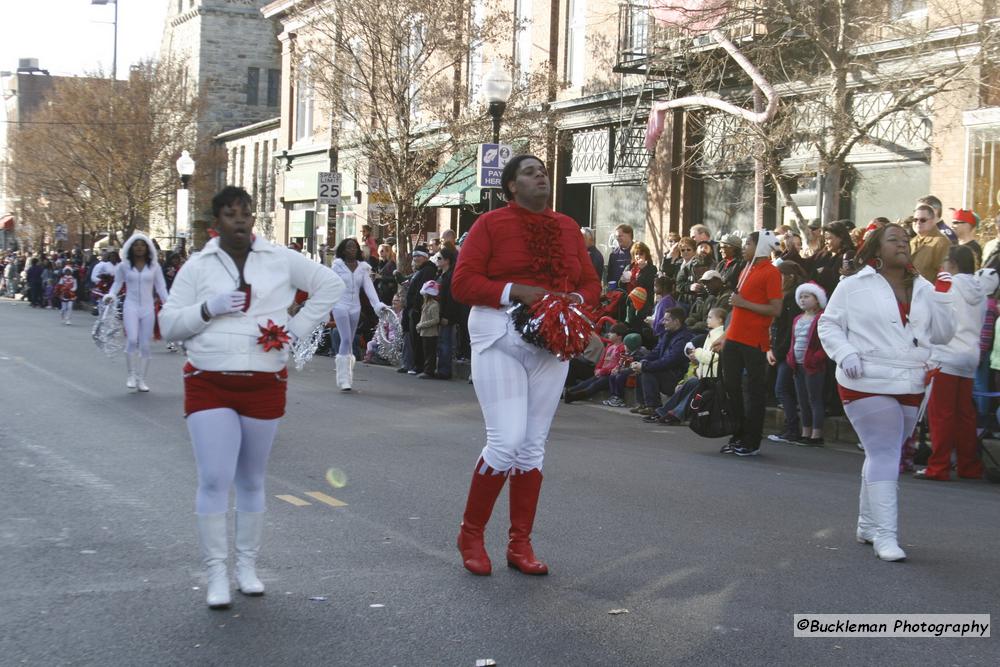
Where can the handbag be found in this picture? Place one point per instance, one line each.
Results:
(709, 409)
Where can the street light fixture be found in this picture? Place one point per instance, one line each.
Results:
(497, 87)
(114, 53)
(185, 169)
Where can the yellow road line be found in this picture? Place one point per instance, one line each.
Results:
(293, 500)
(323, 498)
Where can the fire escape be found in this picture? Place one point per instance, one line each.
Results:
(649, 72)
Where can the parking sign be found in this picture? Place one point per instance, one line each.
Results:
(492, 159)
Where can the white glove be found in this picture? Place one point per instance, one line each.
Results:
(228, 302)
(108, 298)
(851, 366)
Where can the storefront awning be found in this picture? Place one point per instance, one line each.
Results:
(454, 184)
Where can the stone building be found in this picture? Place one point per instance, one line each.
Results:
(232, 60)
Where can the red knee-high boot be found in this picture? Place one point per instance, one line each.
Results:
(524, 490)
(486, 486)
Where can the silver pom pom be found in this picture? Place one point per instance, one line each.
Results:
(305, 348)
(389, 337)
(109, 331)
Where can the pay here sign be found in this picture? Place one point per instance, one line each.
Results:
(492, 159)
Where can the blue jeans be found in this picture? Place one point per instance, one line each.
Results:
(784, 389)
(445, 346)
(678, 403)
(651, 385)
(616, 381)
(981, 384)
(812, 408)
(591, 386)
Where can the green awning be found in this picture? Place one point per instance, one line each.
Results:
(454, 184)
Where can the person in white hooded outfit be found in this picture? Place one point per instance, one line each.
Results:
(229, 303)
(951, 411)
(879, 327)
(140, 272)
(357, 276)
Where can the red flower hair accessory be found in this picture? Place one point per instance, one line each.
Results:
(273, 336)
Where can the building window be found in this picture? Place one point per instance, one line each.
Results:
(255, 195)
(983, 195)
(253, 86)
(242, 167)
(273, 87)
(576, 42)
(303, 108)
(522, 38)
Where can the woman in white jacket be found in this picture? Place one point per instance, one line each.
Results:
(140, 272)
(951, 411)
(357, 276)
(229, 303)
(879, 327)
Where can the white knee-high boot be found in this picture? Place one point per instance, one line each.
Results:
(130, 361)
(249, 528)
(214, 552)
(140, 376)
(883, 508)
(866, 529)
(343, 362)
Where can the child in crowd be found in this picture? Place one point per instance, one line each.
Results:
(807, 361)
(428, 326)
(618, 379)
(663, 288)
(607, 363)
(674, 411)
(66, 292)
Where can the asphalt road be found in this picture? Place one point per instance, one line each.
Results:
(710, 555)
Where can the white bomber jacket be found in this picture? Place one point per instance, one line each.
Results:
(863, 318)
(229, 342)
(355, 281)
(961, 355)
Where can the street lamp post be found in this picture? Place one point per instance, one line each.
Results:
(114, 52)
(496, 91)
(185, 168)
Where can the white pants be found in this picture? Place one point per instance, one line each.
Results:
(230, 450)
(347, 325)
(518, 386)
(66, 308)
(138, 329)
(882, 425)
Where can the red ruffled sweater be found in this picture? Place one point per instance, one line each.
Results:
(515, 245)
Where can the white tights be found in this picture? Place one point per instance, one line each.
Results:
(347, 325)
(138, 329)
(229, 450)
(67, 310)
(518, 387)
(883, 425)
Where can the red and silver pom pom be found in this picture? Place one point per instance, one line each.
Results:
(273, 336)
(554, 323)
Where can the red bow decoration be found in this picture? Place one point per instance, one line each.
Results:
(273, 336)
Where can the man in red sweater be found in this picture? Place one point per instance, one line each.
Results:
(756, 303)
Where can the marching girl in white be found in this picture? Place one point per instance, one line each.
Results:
(229, 303)
(879, 327)
(101, 277)
(66, 291)
(141, 274)
(357, 275)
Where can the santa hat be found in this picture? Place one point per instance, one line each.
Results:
(637, 298)
(430, 288)
(814, 289)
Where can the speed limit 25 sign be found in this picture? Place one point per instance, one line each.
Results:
(328, 188)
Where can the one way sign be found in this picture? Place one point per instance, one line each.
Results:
(492, 159)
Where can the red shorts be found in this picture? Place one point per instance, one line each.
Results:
(254, 394)
(848, 395)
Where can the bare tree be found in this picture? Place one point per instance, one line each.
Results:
(393, 78)
(99, 155)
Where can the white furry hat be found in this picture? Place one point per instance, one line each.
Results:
(814, 289)
(988, 280)
(767, 243)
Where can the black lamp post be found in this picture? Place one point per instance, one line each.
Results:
(496, 91)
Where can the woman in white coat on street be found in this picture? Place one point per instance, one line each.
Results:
(140, 272)
(357, 276)
(879, 327)
(229, 304)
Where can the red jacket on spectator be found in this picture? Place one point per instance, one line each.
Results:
(609, 359)
(815, 360)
